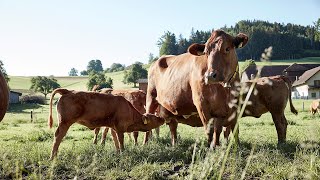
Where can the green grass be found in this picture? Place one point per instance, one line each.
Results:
(26, 146)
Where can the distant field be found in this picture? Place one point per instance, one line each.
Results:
(23, 83)
(308, 60)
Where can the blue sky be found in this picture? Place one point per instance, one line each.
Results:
(41, 37)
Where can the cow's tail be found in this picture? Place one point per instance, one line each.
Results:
(60, 91)
(288, 82)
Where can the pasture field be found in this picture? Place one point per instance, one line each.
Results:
(25, 150)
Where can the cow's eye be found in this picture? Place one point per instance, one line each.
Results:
(227, 49)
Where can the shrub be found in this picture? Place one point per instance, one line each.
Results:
(35, 99)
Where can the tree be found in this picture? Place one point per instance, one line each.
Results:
(98, 78)
(135, 72)
(44, 85)
(115, 67)
(4, 72)
(152, 58)
(84, 73)
(168, 44)
(94, 65)
(73, 72)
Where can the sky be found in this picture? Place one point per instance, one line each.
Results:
(42, 37)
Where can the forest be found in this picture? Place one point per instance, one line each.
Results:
(289, 41)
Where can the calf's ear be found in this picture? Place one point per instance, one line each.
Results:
(240, 40)
(196, 49)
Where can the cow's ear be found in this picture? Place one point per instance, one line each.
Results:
(240, 40)
(144, 119)
(196, 49)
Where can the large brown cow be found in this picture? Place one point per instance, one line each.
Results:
(94, 110)
(315, 107)
(136, 97)
(4, 96)
(271, 96)
(188, 82)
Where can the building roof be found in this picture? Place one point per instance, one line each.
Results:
(16, 92)
(266, 70)
(306, 76)
(142, 81)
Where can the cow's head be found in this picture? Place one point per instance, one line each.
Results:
(222, 60)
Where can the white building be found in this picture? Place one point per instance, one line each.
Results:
(308, 85)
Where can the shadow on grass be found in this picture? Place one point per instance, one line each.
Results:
(21, 108)
(288, 149)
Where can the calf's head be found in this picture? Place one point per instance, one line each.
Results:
(222, 60)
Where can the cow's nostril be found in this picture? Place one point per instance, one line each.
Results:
(214, 75)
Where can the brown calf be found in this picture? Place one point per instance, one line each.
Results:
(94, 110)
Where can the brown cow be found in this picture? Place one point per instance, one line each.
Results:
(136, 97)
(4, 96)
(93, 110)
(272, 96)
(189, 82)
(315, 107)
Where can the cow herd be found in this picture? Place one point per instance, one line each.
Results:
(199, 88)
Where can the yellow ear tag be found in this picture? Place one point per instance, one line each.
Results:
(145, 121)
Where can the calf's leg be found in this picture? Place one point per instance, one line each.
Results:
(135, 137)
(173, 125)
(115, 139)
(58, 136)
(96, 133)
(104, 136)
(121, 139)
(280, 126)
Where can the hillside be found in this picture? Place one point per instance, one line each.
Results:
(23, 83)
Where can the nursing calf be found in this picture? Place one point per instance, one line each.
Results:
(136, 97)
(94, 110)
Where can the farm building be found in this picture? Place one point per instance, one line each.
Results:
(14, 97)
(143, 84)
(293, 72)
(308, 85)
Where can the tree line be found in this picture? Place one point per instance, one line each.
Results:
(289, 41)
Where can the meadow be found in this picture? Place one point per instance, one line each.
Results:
(26, 146)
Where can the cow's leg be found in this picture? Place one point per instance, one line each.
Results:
(277, 119)
(121, 140)
(58, 136)
(157, 131)
(235, 132)
(173, 125)
(115, 139)
(96, 133)
(226, 132)
(135, 137)
(151, 105)
(205, 117)
(284, 127)
(104, 135)
(216, 132)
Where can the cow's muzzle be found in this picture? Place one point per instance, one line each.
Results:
(211, 77)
